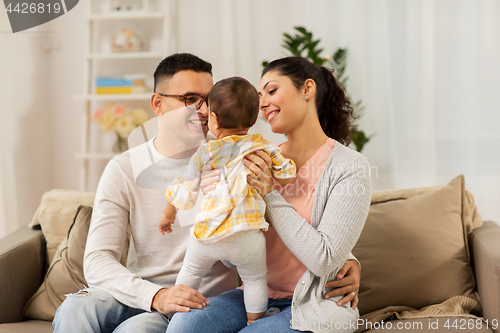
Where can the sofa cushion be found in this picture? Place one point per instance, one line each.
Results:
(21, 271)
(65, 274)
(432, 325)
(55, 215)
(30, 326)
(413, 249)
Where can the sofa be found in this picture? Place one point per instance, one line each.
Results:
(428, 263)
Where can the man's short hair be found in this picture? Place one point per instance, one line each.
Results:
(235, 101)
(177, 62)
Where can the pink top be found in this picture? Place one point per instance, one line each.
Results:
(283, 268)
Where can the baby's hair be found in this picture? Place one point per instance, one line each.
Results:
(235, 101)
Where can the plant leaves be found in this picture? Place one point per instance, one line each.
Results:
(301, 43)
(301, 29)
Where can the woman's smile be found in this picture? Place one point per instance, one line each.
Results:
(271, 115)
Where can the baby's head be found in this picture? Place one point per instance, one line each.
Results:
(233, 103)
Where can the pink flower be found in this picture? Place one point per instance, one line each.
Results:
(98, 114)
(118, 109)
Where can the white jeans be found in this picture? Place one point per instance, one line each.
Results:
(244, 249)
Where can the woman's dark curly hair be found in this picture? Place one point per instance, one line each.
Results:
(335, 111)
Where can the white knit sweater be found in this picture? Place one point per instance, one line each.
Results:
(341, 204)
(154, 260)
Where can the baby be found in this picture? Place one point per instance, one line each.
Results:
(230, 224)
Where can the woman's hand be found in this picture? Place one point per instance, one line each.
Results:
(260, 165)
(347, 284)
(209, 178)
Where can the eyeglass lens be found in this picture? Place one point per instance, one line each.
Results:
(193, 101)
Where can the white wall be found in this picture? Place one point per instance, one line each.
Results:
(25, 148)
(425, 70)
(428, 81)
(66, 63)
(41, 71)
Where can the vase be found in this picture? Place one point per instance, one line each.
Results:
(120, 145)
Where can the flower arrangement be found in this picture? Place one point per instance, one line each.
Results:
(120, 119)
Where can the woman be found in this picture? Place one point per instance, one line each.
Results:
(316, 219)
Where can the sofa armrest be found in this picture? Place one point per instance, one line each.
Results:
(22, 256)
(485, 254)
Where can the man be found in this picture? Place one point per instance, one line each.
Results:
(138, 298)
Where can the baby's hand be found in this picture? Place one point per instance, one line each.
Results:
(165, 228)
(165, 224)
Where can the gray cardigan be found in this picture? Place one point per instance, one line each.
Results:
(341, 204)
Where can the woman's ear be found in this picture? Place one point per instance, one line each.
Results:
(309, 88)
(157, 104)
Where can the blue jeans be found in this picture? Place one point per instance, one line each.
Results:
(226, 314)
(94, 310)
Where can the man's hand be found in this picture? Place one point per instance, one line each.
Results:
(347, 284)
(179, 298)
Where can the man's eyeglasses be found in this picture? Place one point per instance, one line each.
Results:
(192, 101)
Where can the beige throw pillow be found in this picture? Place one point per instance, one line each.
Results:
(55, 215)
(65, 274)
(413, 249)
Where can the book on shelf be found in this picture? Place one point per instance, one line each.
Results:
(128, 84)
(122, 90)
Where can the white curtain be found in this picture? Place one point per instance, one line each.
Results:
(426, 70)
(25, 153)
(8, 209)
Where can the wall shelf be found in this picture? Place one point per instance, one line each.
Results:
(115, 97)
(125, 55)
(126, 16)
(97, 156)
(103, 22)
